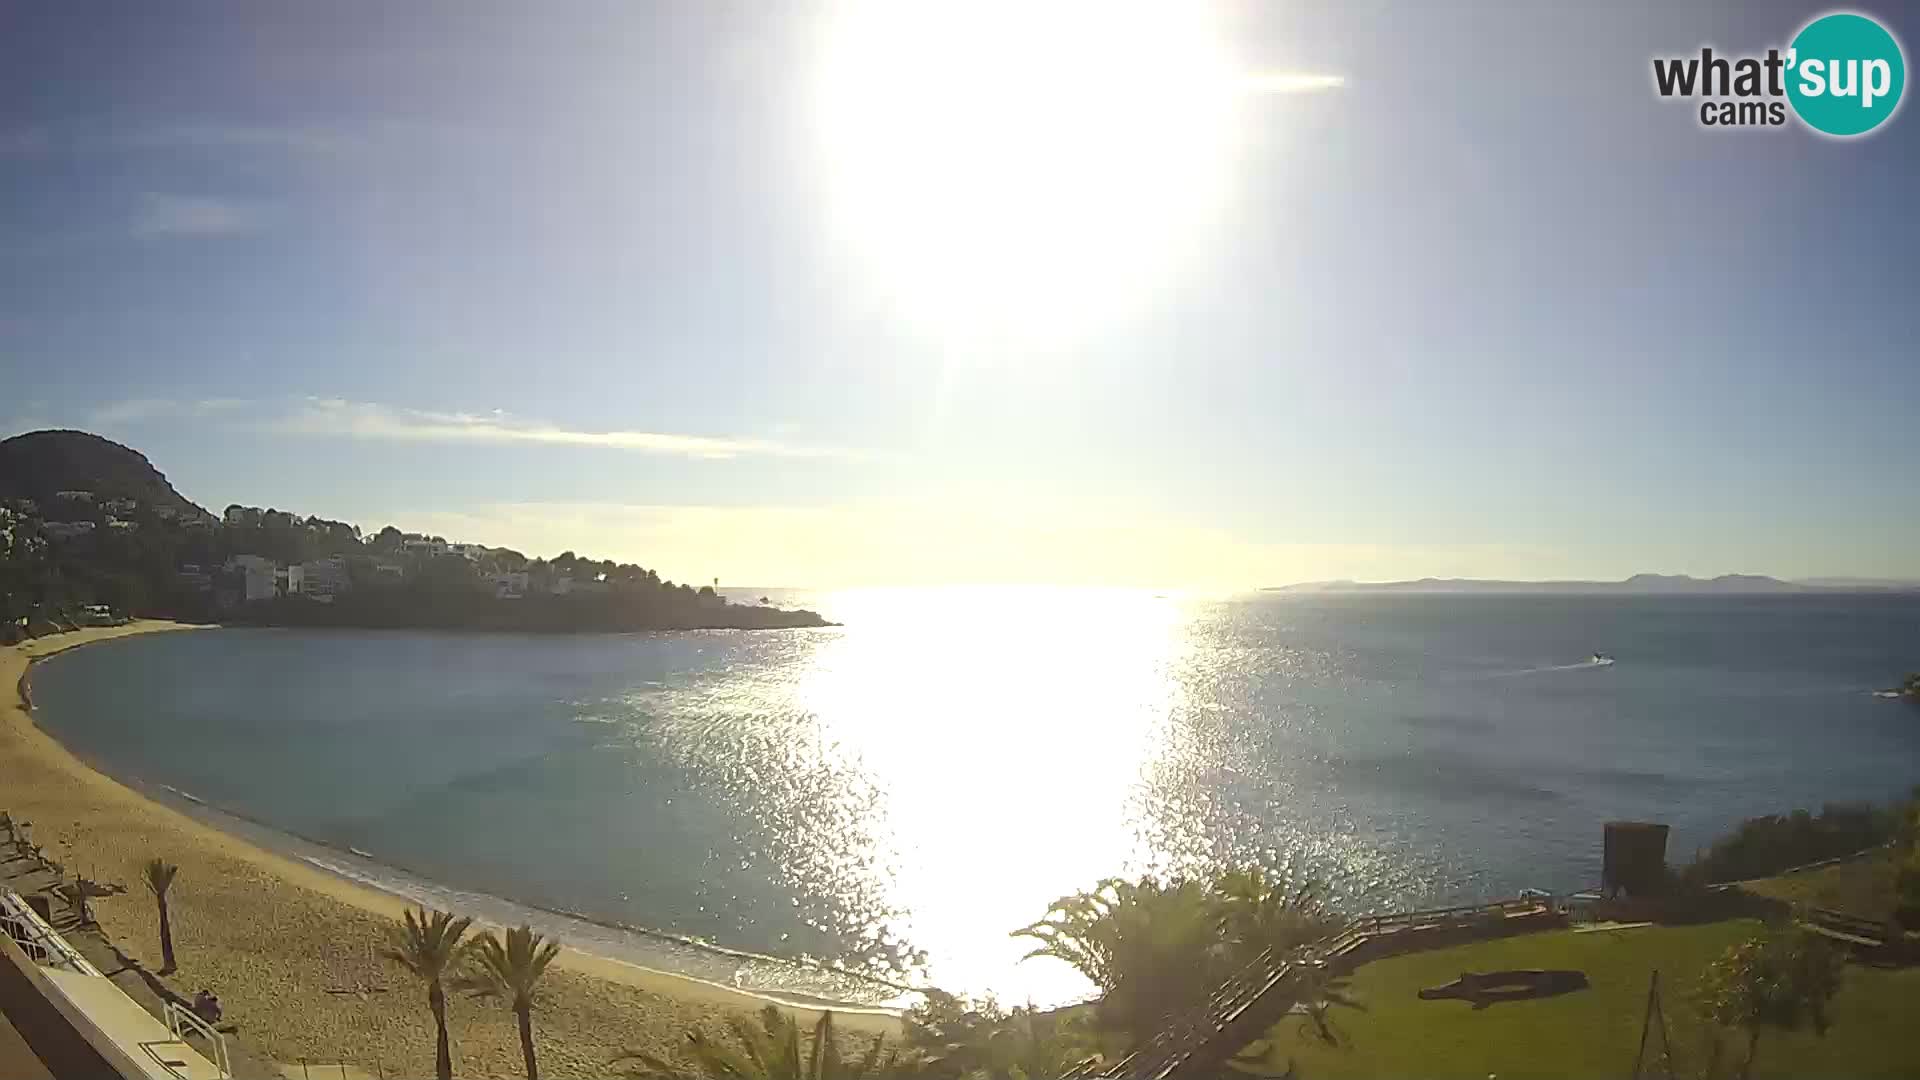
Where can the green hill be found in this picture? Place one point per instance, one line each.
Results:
(39, 464)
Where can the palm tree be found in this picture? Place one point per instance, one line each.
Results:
(1155, 949)
(981, 1041)
(508, 973)
(1260, 910)
(159, 875)
(770, 1051)
(428, 945)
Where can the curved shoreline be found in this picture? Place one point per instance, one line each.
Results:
(279, 937)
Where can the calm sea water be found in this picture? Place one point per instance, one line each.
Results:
(910, 787)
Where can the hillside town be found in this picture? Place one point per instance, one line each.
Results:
(130, 546)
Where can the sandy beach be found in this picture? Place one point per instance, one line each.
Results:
(293, 951)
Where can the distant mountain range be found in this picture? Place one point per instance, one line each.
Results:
(1647, 584)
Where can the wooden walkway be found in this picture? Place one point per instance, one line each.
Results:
(1199, 1044)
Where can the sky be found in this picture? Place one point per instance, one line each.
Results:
(838, 294)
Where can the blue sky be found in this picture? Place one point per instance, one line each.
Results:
(762, 297)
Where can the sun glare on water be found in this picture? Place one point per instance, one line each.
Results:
(1001, 786)
(1024, 167)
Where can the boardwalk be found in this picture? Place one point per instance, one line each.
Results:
(1199, 1045)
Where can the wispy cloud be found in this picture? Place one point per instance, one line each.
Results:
(1291, 82)
(374, 422)
(368, 420)
(183, 215)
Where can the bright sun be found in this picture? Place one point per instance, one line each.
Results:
(1023, 167)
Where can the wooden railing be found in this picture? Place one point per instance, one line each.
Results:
(1201, 1039)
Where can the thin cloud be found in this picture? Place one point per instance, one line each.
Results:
(371, 421)
(1291, 82)
(178, 215)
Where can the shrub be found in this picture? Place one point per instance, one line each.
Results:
(1770, 844)
(1157, 949)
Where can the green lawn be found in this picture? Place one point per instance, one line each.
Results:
(1592, 1032)
(1863, 886)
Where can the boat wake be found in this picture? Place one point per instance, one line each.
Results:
(1595, 661)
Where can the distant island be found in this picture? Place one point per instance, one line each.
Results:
(90, 531)
(1638, 584)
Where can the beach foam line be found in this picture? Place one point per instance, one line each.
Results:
(793, 981)
(658, 954)
(718, 977)
(774, 978)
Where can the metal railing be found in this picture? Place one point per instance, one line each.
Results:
(38, 940)
(182, 1021)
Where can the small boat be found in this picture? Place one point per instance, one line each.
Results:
(1600, 659)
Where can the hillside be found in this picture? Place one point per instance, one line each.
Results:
(40, 463)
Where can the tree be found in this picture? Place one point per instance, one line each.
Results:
(771, 1051)
(1154, 949)
(159, 875)
(428, 945)
(509, 973)
(1261, 911)
(1779, 979)
(984, 1042)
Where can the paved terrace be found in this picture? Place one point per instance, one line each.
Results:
(72, 1005)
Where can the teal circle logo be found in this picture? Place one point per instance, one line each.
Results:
(1845, 74)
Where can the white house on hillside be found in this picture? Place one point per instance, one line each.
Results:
(259, 575)
(325, 578)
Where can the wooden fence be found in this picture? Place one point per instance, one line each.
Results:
(1255, 999)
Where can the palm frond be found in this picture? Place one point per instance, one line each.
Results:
(158, 873)
(428, 943)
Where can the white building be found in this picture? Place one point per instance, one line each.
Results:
(66, 530)
(325, 578)
(289, 579)
(474, 552)
(261, 577)
(430, 548)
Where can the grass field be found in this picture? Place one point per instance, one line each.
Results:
(1863, 886)
(1593, 1032)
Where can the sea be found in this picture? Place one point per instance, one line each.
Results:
(842, 813)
